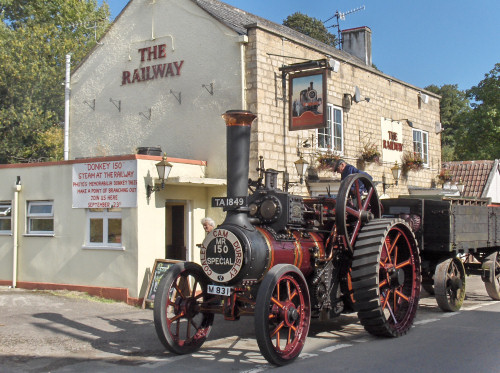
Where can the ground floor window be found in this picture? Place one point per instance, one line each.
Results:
(40, 217)
(104, 227)
(332, 137)
(421, 145)
(5, 218)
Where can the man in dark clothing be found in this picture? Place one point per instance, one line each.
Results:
(345, 169)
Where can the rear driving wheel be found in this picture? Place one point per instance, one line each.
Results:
(449, 284)
(493, 285)
(386, 277)
(357, 204)
(282, 314)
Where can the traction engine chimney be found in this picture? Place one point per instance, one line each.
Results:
(238, 126)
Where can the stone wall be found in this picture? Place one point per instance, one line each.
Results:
(389, 98)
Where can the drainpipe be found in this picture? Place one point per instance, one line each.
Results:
(67, 91)
(243, 39)
(17, 189)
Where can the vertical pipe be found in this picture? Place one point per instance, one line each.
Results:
(67, 91)
(243, 41)
(238, 123)
(17, 189)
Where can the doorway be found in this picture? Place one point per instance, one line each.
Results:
(175, 228)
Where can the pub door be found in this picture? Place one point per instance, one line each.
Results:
(175, 240)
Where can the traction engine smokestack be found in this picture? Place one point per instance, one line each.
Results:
(238, 126)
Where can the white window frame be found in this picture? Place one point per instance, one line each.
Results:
(105, 215)
(40, 215)
(330, 128)
(423, 142)
(6, 214)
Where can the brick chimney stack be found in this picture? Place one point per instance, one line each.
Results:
(358, 42)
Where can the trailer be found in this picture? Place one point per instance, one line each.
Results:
(457, 237)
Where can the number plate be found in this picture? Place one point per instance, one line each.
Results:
(219, 290)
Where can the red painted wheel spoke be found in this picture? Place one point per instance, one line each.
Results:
(177, 317)
(401, 295)
(195, 285)
(358, 194)
(288, 289)
(403, 264)
(383, 283)
(289, 336)
(176, 286)
(352, 212)
(276, 302)
(386, 299)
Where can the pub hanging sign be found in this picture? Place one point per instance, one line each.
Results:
(307, 98)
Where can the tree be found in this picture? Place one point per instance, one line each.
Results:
(310, 26)
(35, 36)
(479, 137)
(453, 106)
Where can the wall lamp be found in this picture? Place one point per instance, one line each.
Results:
(301, 166)
(396, 173)
(163, 168)
(349, 99)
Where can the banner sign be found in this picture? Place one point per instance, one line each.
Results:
(105, 184)
(307, 100)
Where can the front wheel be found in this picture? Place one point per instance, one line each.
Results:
(282, 314)
(493, 284)
(181, 324)
(449, 284)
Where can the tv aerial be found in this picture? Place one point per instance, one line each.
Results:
(340, 16)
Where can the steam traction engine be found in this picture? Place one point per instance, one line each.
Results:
(286, 259)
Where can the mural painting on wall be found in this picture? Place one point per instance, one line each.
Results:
(307, 98)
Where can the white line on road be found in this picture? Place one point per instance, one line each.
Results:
(335, 347)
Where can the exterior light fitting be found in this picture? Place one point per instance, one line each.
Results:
(301, 165)
(396, 173)
(163, 169)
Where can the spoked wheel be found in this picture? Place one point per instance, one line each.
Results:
(354, 208)
(449, 284)
(180, 323)
(386, 277)
(282, 314)
(493, 285)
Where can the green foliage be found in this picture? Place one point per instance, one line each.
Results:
(35, 36)
(479, 137)
(454, 104)
(312, 27)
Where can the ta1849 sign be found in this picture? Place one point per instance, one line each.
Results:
(229, 203)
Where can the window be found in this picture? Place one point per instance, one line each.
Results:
(40, 217)
(5, 218)
(332, 137)
(421, 145)
(104, 227)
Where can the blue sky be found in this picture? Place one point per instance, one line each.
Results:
(420, 42)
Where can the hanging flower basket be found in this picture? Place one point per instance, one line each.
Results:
(326, 161)
(370, 153)
(412, 161)
(444, 176)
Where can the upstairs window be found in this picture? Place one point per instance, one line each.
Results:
(40, 217)
(5, 218)
(332, 137)
(421, 145)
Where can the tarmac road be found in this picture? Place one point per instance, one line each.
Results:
(42, 332)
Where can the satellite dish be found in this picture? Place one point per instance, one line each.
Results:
(357, 95)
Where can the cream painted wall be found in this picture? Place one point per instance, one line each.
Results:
(211, 54)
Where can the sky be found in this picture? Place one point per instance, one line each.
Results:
(420, 42)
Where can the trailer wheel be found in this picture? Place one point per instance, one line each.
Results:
(353, 209)
(282, 314)
(386, 277)
(449, 284)
(180, 323)
(493, 285)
